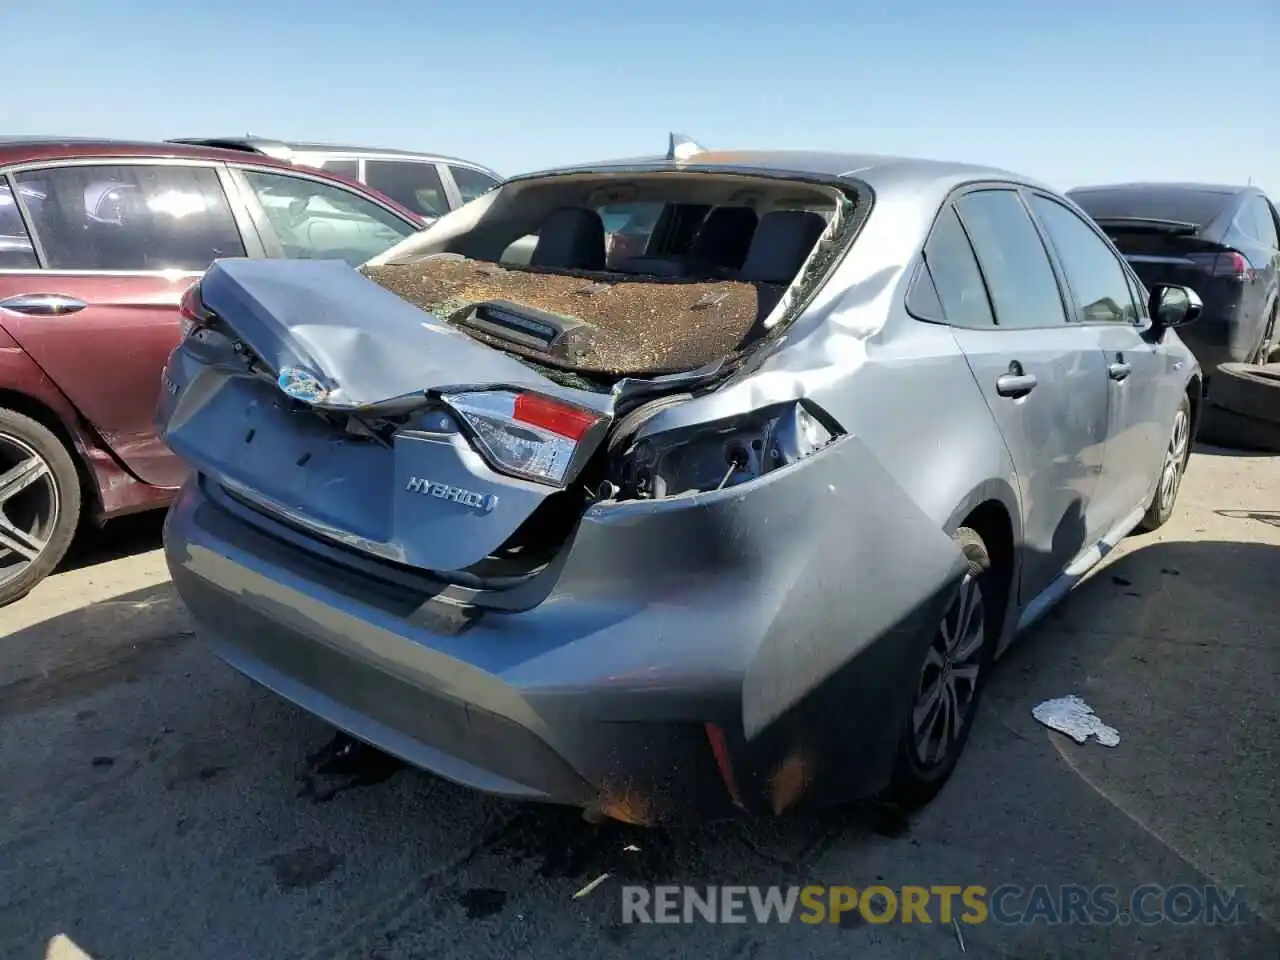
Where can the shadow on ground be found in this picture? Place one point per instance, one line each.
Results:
(1210, 450)
(159, 803)
(120, 538)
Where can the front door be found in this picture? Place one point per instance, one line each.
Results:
(1044, 381)
(119, 243)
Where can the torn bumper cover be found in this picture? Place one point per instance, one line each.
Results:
(753, 646)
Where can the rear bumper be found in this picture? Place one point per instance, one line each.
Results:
(791, 617)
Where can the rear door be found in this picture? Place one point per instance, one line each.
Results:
(1141, 379)
(118, 242)
(309, 218)
(1257, 220)
(1043, 378)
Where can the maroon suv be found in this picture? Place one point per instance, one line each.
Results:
(98, 242)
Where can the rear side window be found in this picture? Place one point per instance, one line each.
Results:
(1024, 289)
(1259, 222)
(410, 183)
(1096, 277)
(950, 280)
(131, 217)
(1180, 204)
(16, 250)
(627, 229)
(471, 183)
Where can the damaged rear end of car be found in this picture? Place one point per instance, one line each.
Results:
(443, 503)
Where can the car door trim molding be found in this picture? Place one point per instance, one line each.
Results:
(175, 274)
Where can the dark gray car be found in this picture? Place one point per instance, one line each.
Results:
(1222, 241)
(737, 522)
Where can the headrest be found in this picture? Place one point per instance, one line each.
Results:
(781, 243)
(571, 237)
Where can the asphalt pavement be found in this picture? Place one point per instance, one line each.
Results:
(159, 805)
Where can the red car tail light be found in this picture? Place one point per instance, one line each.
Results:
(527, 434)
(192, 309)
(1230, 264)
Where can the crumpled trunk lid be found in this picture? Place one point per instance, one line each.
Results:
(381, 465)
(326, 317)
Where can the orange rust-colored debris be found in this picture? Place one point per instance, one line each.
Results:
(789, 782)
(626, 805)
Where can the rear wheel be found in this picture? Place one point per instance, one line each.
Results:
(1176, 455)
(949, 684)
(39, 503)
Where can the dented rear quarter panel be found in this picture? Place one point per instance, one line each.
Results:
(921, 452)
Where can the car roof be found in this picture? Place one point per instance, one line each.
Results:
(33, 149)
(282, 147)
(878, 170)
(1168, 188)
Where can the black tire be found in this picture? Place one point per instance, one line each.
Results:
(1226, 428)
(1248, 390)
(18, 431)
(1174, 466)
(917, 778)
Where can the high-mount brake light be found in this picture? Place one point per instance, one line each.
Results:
(192, 309)
(525, 434)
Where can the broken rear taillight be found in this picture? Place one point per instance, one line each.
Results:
(192, 309)
(724, 453)
(527, 434)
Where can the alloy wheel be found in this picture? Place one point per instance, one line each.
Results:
(1175, 460)
(949, 679)
(28, 506)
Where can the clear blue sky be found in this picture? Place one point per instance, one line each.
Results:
(1083, 91)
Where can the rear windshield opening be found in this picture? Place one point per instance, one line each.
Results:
(659, 274)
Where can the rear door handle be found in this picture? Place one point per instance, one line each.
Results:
(1015, 384)
(43, 304)
(1119, 370)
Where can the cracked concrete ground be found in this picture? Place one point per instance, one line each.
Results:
(158, 805)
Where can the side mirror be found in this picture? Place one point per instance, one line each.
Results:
(1173, 305)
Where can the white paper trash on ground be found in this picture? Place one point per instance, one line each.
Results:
(1075, 718)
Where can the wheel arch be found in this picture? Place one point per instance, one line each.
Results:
(1195, 395)
(991, 511)
(45, 415)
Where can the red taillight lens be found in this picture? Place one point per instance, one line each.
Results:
(526, 434)
(192, 309)
(1230, 264)
(562, 419)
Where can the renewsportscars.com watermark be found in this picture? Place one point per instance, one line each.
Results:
(878, 904)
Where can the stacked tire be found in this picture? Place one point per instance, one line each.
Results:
(1243, 409)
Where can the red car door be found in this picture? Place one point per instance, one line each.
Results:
(119, 242)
